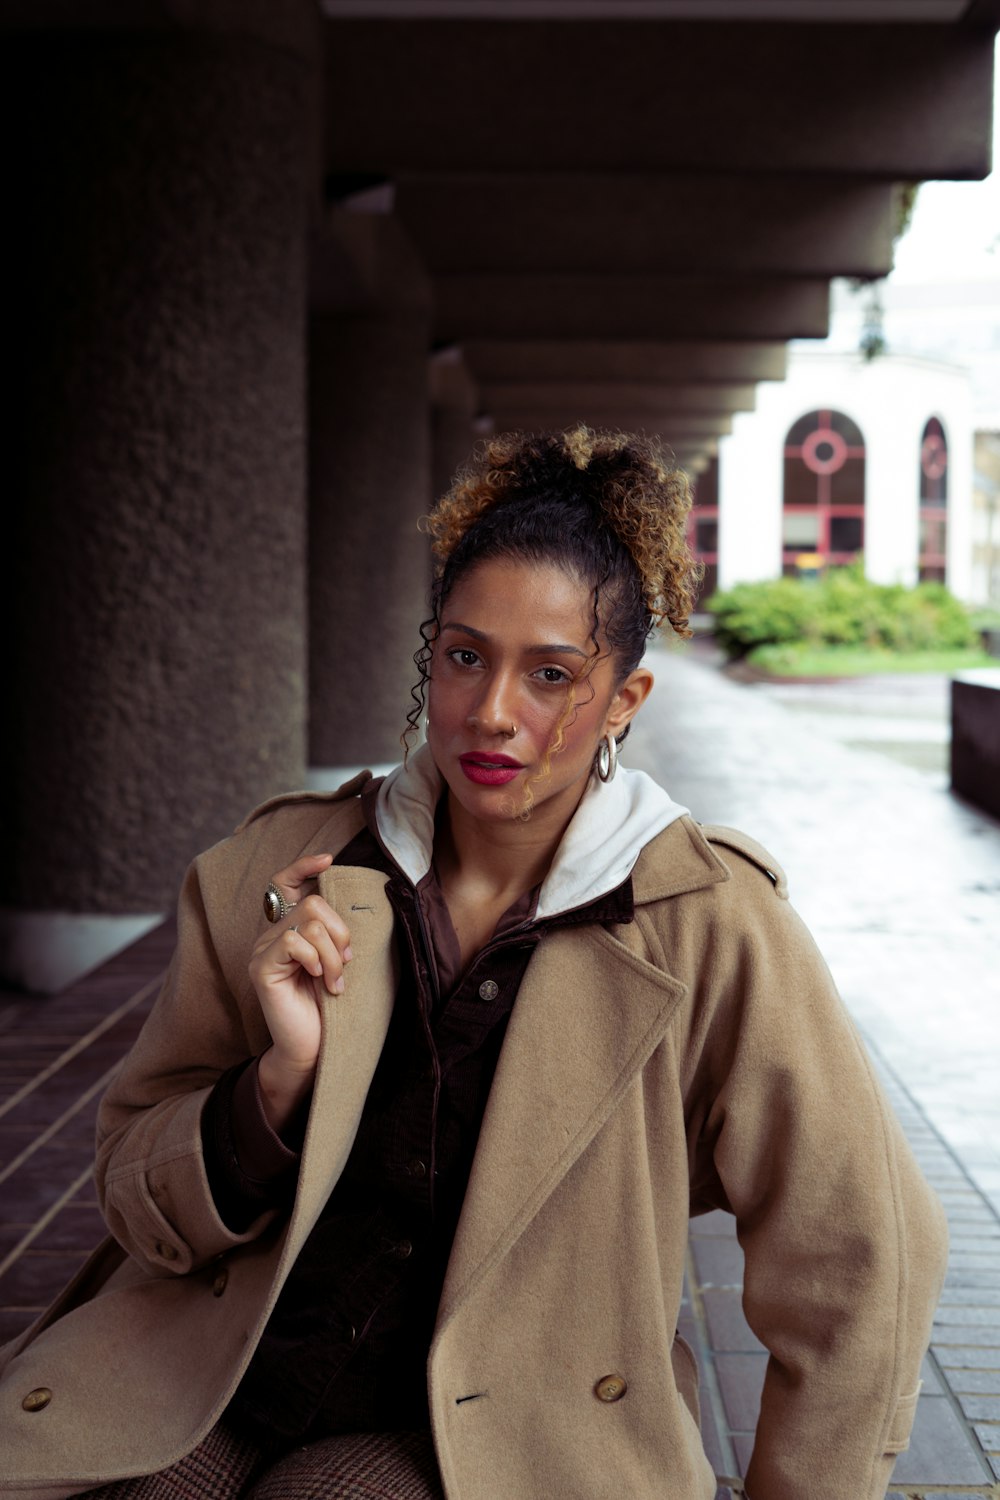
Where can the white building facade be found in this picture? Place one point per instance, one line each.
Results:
(847, 457)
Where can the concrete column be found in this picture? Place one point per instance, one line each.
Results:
(455, 420)
(369, 474)
(159, 490)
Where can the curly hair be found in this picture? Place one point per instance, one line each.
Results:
(610, 507)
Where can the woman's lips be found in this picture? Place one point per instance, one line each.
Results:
(490, 770)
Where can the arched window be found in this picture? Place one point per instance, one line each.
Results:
(823, 515)
(933, 501)
(703, 527)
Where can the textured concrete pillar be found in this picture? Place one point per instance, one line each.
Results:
(369, 456)
(455, 420)
(159, 490)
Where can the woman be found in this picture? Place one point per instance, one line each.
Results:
(404, 1204)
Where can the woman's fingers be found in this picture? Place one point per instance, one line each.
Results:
(295, 879)
(312, 945)
(315, 935)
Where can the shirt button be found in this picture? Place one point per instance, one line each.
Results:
(37, 1399)
(489, 989)
(610, 1388)
(219, 1284)
(165, 1250)
(416, 1168)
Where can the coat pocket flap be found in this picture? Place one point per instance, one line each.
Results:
(902, 1422)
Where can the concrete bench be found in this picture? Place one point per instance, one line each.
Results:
(975, 738)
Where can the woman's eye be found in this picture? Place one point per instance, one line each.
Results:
(555, 675)
(464, 656)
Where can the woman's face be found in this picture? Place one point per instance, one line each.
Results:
(513, 637)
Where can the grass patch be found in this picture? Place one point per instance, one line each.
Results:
(861, 661)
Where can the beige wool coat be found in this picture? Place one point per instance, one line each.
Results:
(693, 1059)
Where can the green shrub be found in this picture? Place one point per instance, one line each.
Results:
(758, 614)
(843, 608)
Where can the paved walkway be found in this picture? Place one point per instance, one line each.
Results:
(899, 882)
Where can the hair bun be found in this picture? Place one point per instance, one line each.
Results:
(628, 479)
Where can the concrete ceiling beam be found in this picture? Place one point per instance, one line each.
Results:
(898, 11)
(629, 307)
(902, 103)
(630, 395)
(686, 361)
(801, 226)
(688, 429)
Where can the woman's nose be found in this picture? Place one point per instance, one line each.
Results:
(494, 712)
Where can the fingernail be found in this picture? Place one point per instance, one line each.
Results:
(348, 955)
(338, 987)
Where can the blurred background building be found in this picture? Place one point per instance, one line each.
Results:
(278, 264)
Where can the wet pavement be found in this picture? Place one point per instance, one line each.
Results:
(899, 881)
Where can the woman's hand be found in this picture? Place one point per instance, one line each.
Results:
(292, 965)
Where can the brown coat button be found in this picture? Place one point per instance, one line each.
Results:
(219, 1284)
(37, 1399)
(611, 1388)
(165, 1250)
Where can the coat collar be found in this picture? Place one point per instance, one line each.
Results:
(354, 1031)
(678, 860)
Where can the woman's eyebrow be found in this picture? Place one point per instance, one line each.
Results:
(549, 648)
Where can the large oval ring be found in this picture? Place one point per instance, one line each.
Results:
(276, 908)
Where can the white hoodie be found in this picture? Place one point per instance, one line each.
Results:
(612, 823)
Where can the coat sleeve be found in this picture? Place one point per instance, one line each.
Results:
(150, 1171)
(844, 1241)
(151, 1177)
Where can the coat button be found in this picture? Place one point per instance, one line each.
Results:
(403, 1250)
(165, 1250)
(220, 1283)
(611, 1388)
(489, 989)
(37, 1399)
(416, 1168)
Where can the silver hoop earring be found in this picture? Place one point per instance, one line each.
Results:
(607, 758)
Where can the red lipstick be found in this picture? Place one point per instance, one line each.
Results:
(487, 769)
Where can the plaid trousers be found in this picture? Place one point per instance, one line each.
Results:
(351, 1466)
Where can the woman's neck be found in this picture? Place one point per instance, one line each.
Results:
(506, 858)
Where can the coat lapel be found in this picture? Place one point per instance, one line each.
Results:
(588, 1015)
(354, 1030)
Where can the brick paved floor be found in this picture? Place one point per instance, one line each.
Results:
(898, 881)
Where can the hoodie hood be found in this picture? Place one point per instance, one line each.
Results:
(612, 824)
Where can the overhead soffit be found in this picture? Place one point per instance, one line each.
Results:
(497, 352)
(905, 12)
